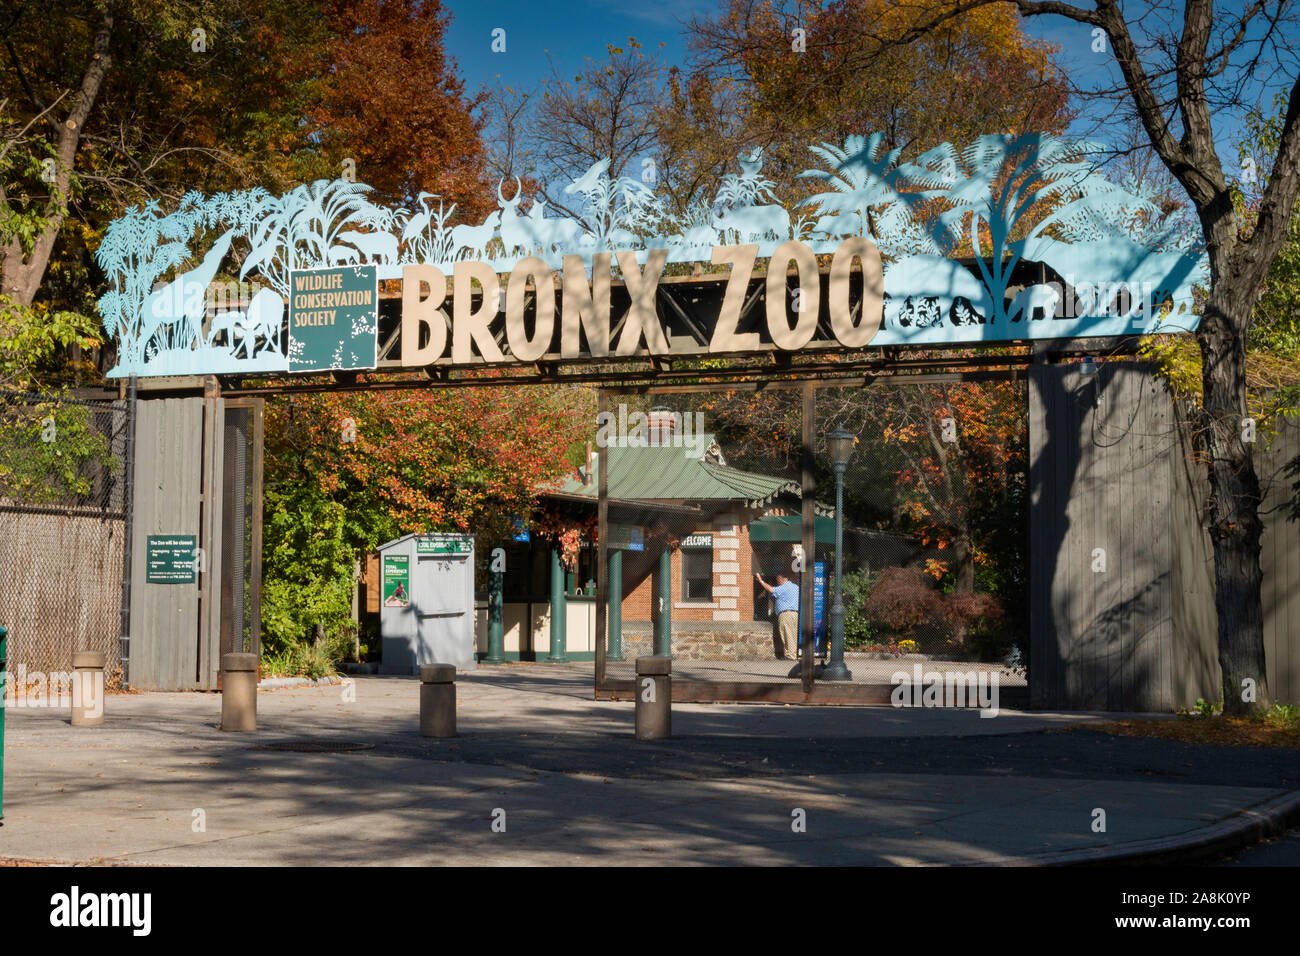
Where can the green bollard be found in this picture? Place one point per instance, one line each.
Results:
(663, 626)
(4, 680)
(559, 611)
(496, 623)
(614, 619)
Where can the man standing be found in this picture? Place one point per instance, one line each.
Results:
(785, 594)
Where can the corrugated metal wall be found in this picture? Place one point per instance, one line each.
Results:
(1280, 561)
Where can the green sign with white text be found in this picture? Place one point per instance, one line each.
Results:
(458, 544)
(170, 558)
(333, 319)
(397, 580)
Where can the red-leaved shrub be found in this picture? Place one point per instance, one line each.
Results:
(903, 600)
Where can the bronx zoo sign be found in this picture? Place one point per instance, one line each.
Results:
(524, 286)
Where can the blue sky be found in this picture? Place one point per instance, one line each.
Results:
(538, 34)
(566, 33)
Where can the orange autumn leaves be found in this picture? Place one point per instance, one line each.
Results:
(466, 460)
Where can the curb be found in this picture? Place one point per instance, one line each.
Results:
(275, 683)
(1247, 827)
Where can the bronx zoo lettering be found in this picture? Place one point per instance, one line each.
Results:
(585, 311)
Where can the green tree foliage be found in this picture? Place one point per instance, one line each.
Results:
(108, 105)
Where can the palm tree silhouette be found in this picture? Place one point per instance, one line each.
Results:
(865, 179)
(1008, 176)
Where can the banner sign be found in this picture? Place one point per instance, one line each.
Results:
(819, 609)
(397, 580)
(698, 541)
(171, 558)
(444, 544)
(1009, 238)
(333, 319)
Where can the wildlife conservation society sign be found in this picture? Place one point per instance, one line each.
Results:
(333, 319)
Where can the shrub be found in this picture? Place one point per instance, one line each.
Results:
(903, 601)
(859, 629)
(971, 610)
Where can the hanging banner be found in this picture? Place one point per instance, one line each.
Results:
(397, 580)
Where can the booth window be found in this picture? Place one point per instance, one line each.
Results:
(697, 574)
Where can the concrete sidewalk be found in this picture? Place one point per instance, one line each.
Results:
(331, 781)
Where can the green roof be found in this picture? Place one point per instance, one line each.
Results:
(673, 473)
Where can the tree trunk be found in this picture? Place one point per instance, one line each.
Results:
(21, 273)
(963, 563)
(1235, 528)
(963, 566)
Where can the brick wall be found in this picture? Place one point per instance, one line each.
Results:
(733, 574)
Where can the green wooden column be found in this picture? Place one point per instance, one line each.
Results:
(614, 620)
(559, 611)
(496, 622)
(664, 619)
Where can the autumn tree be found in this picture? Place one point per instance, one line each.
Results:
(348, 471)
(780, 76)
(1178, 69)
(388, 97)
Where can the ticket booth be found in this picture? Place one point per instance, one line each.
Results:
(426, 602)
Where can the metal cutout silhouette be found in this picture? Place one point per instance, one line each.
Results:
(1033, 198)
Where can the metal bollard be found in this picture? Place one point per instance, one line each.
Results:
(239, 692)
(654, 698)
(88, 688)
(437, 700)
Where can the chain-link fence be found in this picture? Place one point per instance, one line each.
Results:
(706, 534)
(935, 529)
(63, 494)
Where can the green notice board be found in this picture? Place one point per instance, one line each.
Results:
(169, 558)
(445, 544)
(397, 580)
(333, 319)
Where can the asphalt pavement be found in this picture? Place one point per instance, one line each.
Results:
(541, 774)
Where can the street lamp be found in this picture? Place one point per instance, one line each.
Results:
(840, 444)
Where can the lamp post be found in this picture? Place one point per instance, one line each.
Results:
(840, 444)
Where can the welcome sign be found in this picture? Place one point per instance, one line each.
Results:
(888, 253)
